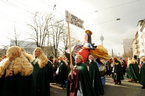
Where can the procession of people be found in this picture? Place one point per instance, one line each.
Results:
(23, 74)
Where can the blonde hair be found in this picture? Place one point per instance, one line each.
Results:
(28, 56)
(131, 61)
(42, 59)
(91, 56)
(143, 59)
(64, 59)
(13, 52)
(80, 57)
(61, 58)
(15, 63)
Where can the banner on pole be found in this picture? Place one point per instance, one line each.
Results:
(70, 18)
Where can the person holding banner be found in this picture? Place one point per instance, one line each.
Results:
(80, 82)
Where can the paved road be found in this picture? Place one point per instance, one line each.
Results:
(126, 89)
(57, 91)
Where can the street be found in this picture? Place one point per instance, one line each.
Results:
(126, 89)
(57, 91)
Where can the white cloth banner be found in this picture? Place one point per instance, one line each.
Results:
(74, 20)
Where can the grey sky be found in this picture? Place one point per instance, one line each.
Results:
(129, 11)
(99, 16)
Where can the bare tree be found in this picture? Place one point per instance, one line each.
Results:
(57, 32)
(50, 33)
(74, 41)
(15, 37)
(41, 27)
(64, 39)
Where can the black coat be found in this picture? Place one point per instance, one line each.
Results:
(15, 85)
(96, 79)
(41, 79)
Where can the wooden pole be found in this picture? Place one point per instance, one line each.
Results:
(69, 41)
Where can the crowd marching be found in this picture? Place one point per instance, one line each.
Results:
(23, 74)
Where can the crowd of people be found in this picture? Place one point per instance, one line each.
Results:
(132, 68)
(23, 74)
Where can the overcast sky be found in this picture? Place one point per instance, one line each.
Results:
(99, 16)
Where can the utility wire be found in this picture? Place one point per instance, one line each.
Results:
(118, 5)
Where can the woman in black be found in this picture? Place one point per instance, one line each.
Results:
(42, 74)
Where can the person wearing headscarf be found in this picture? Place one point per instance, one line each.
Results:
(15, 73)
(95, 76)
(42, 74)
(80, 82)
(142, 73)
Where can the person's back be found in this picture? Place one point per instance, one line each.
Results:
(133, 71)
(15, 73)
(95, 76)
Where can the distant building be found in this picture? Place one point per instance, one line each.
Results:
(30, 46)
(27, 45)
(138, 44)
(135, 45)
(127, 46)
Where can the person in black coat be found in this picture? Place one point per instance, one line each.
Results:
(63, 72)
(15, 73)
(42, 74)
(95, 76)
(117, 72)
(142, 73)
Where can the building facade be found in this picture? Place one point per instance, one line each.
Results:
(127, 46)
(138, 44)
